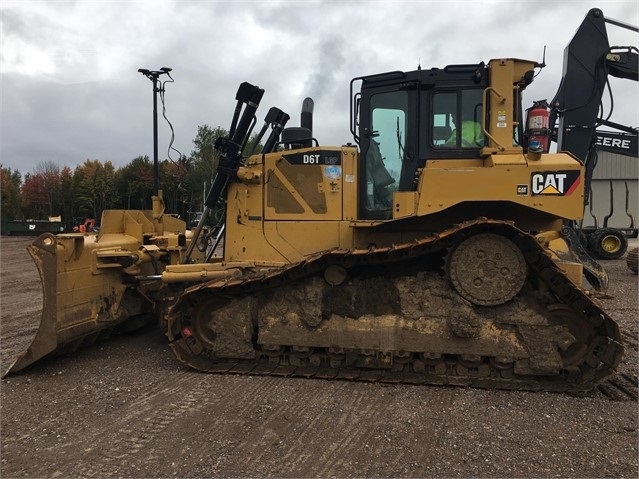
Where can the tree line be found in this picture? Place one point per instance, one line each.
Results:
(51, 190)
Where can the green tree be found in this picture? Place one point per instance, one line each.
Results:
(174, 185)
(10, 183)
(67, 192)
(134, 182)
(204, 160)
(94, 188)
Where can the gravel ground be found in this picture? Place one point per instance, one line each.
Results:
(126, 408)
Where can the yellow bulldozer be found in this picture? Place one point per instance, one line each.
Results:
(438, 248)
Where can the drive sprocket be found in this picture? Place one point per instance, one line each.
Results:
(487, 269)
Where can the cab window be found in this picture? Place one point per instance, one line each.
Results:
(457, 119)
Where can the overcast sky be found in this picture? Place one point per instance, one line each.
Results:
(71, 90)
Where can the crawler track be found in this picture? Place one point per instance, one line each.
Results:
(396, 319)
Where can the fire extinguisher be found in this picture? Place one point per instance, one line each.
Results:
(537, 131)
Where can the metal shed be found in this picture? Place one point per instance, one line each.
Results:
(614, 201)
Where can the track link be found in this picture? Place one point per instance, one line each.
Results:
(236, 326)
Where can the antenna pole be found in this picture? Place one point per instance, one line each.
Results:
(154, 76)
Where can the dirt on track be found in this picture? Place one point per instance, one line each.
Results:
(126, 408)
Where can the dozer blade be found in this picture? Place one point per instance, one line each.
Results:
(80, 302)
(43, 254)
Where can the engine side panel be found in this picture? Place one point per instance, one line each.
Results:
(553, 185)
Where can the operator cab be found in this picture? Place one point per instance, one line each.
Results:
(401, 120)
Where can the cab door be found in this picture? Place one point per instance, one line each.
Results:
(388, 143)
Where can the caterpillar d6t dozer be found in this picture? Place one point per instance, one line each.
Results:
(438, 248)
